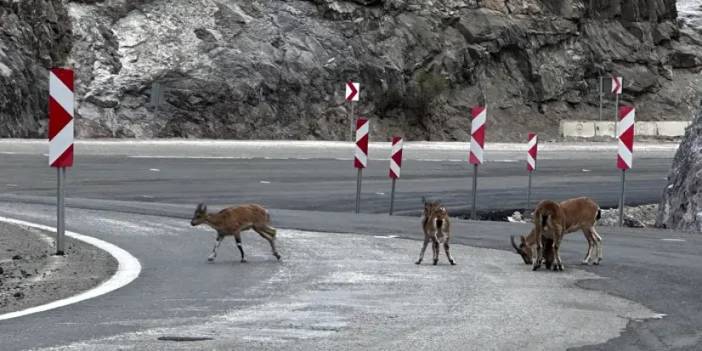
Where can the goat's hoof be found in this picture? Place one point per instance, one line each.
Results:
(243, 261)
(585, 263)
(418, 262)
(277, 256)
(535, 268)
(453, 263)
(596, 263)
(436, 262)
(210, 259)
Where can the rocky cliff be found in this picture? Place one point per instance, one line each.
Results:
(275, 69)
(681, 206)
(34, 35)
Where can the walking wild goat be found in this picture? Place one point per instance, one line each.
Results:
(437, 229)
(232, 221)
(580, 213)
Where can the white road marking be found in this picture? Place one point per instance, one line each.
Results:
(674, 240)
(128, 269)
(586, 170)
(385, 236)
(264, 182)
(148, 196)
(154, 170)
(379, 193)
(194, 157)
(11, 185)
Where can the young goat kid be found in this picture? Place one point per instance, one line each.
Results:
(232, 221)
(437, 229)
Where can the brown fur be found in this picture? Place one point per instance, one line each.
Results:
(233, 220)
(580, 213)
(437, 230)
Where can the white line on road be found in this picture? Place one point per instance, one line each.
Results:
(154, 170)
(674, 240)
(128, 269)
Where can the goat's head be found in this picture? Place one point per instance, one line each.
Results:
(431, 207)
(523, 249)
(200, 215)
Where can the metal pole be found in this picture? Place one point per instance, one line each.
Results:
(353, 127)
(529, 192)
(60, 225)
(392, 196)
(358, 190)
(601, 90)
(621, 200)
(475, 190)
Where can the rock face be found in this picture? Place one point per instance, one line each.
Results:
(34, 35)
(681, 206)
(275, 69)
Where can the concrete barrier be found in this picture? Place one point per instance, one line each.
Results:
(606, 129)
(672, 128)
(649, 129)
(577, 129)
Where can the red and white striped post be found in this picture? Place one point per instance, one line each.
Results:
(617, 89)
(61, 106)
(625, 150)
(532, 152)
(353, 94)
(360, 160)
(477, 145)
(395, 167)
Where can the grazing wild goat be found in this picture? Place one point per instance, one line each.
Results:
(580, 213)
(437, 229)
(232, 221)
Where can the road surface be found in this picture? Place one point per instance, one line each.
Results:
(349, 280)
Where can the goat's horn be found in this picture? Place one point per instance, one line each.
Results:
(200, 206)
(511, 239)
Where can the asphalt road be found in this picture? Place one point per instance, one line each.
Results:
(307, 178)
(646, 273)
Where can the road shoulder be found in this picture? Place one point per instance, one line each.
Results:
(31, 275)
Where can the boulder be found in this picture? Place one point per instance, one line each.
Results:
(681, 206)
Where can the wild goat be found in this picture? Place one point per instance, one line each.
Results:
(580, 213)
(232, 221)
(437, 229)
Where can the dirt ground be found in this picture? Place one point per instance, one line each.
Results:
(30, 275)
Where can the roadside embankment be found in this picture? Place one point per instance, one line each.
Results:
(30, 275)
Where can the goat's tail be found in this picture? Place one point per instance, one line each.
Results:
(599, 214)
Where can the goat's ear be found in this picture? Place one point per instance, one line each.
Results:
(204, 208)
(523, 239)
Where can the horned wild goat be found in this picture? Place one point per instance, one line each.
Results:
(580, 213)
(232, 221)
(437, 229)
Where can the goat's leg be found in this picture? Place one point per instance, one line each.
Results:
(218, 241)
(598, 244)
(558, 266)
(237, 237)
(448, 253)
(590, 246)
(435, 250)
(537, 252)
(424, 248)
(270, 240)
